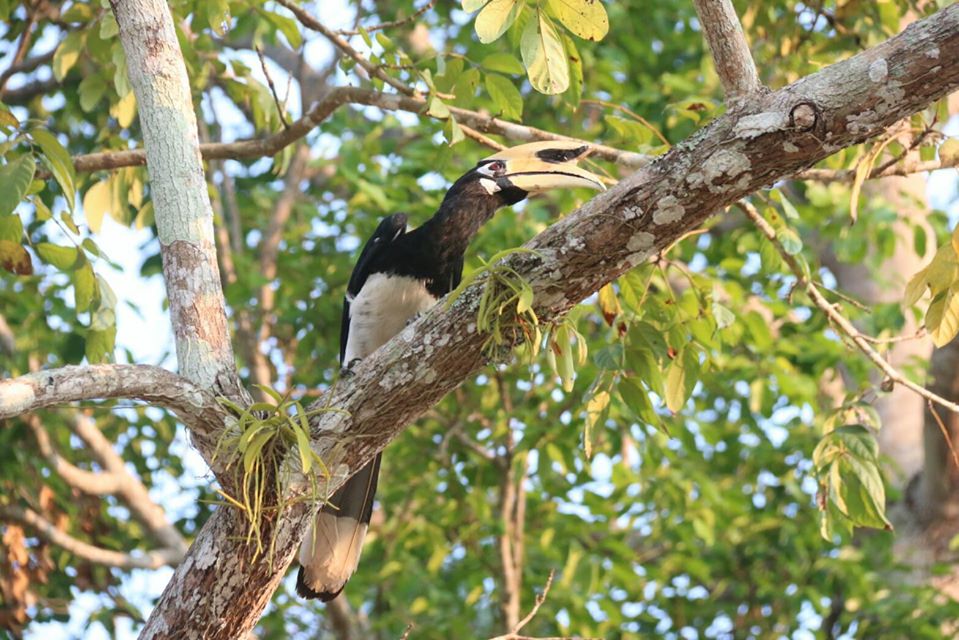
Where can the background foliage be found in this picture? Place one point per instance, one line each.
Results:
(671, 483)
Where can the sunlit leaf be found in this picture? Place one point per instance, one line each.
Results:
(506, 96)
(495, 18)
(15, 259)
(544, 56)
(586, 18)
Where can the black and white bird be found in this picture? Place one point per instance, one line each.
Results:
(400, 274)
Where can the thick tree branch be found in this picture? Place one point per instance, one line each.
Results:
(184, 216)
(155, 385)
(97, 555)
(780, 134)
(734, 63)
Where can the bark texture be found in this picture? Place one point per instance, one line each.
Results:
(184, 216)
(727, 42)
(217, 593)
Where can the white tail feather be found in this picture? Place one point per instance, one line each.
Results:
(331, 551)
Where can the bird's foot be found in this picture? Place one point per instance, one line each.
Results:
(347, 371)
(414, 318)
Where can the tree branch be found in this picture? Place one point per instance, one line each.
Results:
(734, 63)
(107, 557)
(781, 133)
(184, 216)
(108, 381)
(902, 169)
(320, 111)
(392, 23)
(90, 482)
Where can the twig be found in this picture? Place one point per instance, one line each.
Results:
(905, 169)
(409, 627)
(844, 325)
(312, 23)
(632, 114)
(540, 599)
(392, 23)
(945, 433)
(727, 43)
(280, 108)
(470, 132)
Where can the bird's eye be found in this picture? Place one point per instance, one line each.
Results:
(497, 167)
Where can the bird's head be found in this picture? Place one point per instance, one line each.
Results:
(515, 173)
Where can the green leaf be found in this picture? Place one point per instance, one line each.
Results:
(585, 18)
(914, 289)
(15, 179)
(15, 259)
(438, 109)
(637, 399)
(455, 133)
(68, 53)
(100, 344)
(63, 258)
(11, 228)
(85, 286)
(502, 62)
(544, 56)
(58, 160)
(789, 239)
(495, 18)
(288, 27)
(7, 119)
(506, 96)
(108, 26)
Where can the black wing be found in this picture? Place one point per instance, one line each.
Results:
(391, 228)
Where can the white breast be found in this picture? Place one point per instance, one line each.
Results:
(381, 309)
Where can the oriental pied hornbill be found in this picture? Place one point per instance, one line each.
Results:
(401, 273)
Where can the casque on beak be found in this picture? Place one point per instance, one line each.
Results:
(540, 166)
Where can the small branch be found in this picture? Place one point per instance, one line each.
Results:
(839, 320)
(486, 141)
(280, 109)
(734, 63)
(540, 599)
(312, 23)
(97, 555)
(106, 381)
(320, 111)
(25, 66)
(904, 169)
(945, 433)
(632, 114)
(387, 25)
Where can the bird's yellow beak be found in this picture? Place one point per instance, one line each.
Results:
(541, 166)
